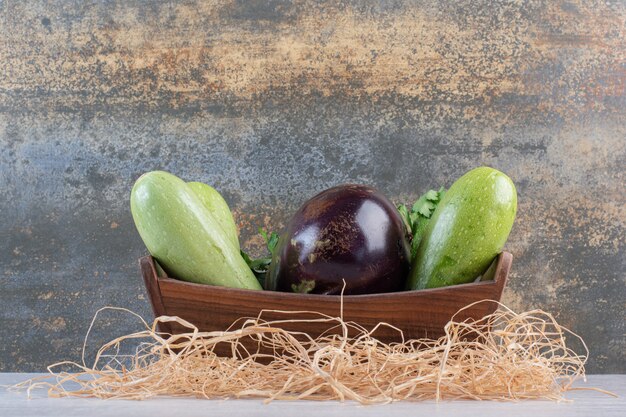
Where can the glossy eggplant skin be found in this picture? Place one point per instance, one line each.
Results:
(349, 232)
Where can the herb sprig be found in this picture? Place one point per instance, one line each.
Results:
(416, 218)
(260, 266)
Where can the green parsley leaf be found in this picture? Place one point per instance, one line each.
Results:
(418, 217)
(271, 240)
(260, 266)
(426, 209)
(432, 195)
(404, 214)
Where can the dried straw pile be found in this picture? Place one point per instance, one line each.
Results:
(504, 356)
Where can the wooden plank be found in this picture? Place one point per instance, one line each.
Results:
(583, 404)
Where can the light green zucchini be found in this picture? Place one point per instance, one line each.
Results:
(467, 230)
(218, 207)
(183, 236)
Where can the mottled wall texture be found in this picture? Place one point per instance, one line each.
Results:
(272, 101)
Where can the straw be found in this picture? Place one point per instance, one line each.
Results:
(504, 356)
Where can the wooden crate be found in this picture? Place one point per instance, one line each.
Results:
(420, 313)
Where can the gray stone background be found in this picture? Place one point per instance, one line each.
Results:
(271, 102)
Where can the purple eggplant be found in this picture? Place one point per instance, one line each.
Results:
(349, 232)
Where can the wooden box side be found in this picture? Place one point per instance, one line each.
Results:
(421, 313)
(151, 281)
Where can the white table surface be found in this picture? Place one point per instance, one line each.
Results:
(585, 403)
